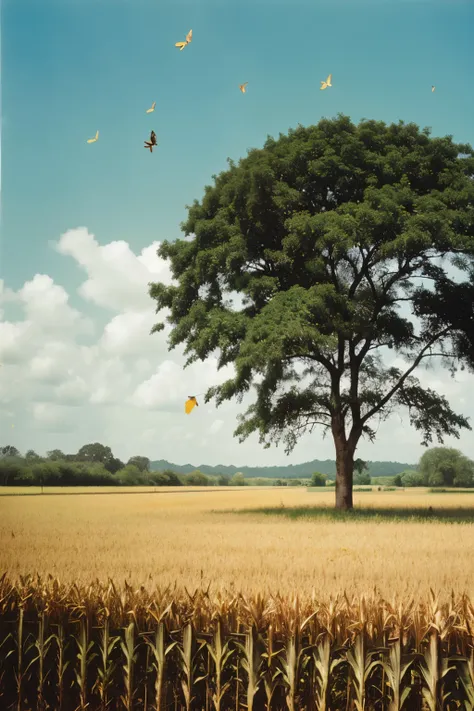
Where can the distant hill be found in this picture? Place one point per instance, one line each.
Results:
(290, 471)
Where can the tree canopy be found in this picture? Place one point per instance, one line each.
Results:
(446, 466)
(325, 233)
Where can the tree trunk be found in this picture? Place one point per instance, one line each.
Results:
(344, 472)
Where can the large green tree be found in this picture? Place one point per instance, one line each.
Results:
(142, 463)
(446, 466)
(96, 452)
(325, 232)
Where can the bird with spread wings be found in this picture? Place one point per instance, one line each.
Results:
(152, 142)
(188, 39)
(325, 84)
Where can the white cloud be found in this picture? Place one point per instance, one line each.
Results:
(116, 277)
(124, 388)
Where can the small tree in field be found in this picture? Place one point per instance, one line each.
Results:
(325, 233)
(362, 478)
(318, 479)
(196, 478)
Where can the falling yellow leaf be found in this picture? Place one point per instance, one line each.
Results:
(325, 84)
(149, 111)
(93, 140)
(242, 87)
(190, 404)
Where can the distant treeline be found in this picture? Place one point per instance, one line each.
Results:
(94, 465)
(290, 471)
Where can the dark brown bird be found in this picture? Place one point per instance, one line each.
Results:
(152, 142)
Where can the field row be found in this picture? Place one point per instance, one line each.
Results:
(102, 647)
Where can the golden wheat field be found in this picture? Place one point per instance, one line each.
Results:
(189, 538)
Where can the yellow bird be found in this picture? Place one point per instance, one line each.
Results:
(242, 87)
(190, 404)
(149, 111)
(93, 140)
(182, 45)
(325, 84)
(433, 88)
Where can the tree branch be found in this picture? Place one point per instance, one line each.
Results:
(400, 382)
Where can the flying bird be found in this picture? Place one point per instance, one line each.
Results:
(325, 84)
(149, 111)
(182, 45)
(433, 88)
(190, 404)
(93, 140)
(152, 142)
(242, 87)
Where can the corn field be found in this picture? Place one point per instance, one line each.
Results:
(67, 648)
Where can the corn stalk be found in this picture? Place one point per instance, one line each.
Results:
(159, 654)
(188, 653)
(271, 674)
(252, 663)
(465, 669)
(433, 670)
(323, 667)
(84, 658)
(107, 666)
(220, 655)
(43, 646)
(23, 647)
(396, 667)
(293, 662)
(130, 653)
(62, 664)
(362, 665)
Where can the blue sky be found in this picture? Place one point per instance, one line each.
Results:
(72, 67)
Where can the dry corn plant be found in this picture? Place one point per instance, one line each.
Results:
(396, 666)
(42, 643)
(160, 652)
(220, 654)
(271, 674)
(316, 655)
(107, 666)
(465, 669)
(189, 652)
(129, 651)
(84, 657)
(325, 662)
(252, 662)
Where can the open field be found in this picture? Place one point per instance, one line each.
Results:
(73, 490)
(183, 538)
